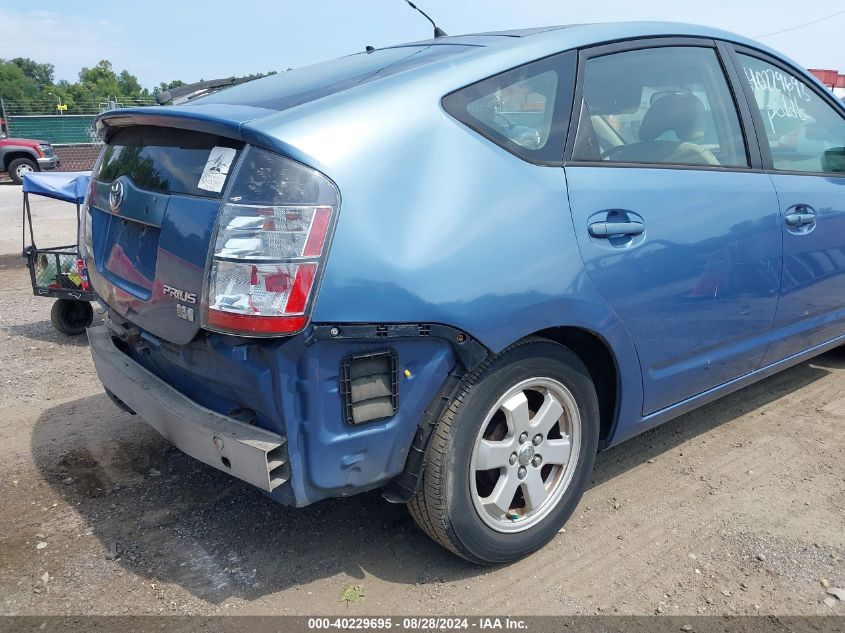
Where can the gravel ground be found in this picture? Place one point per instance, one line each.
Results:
(737, 508)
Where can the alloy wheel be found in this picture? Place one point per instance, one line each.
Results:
(525, 454)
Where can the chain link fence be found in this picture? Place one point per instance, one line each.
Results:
(72, 135)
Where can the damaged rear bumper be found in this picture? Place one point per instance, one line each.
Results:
(247, 452)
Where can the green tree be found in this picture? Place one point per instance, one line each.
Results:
(128, 85)
(41, 74)
(17, 90)
(97, 83)
(29, 87)
(176, 83)
(101, 83)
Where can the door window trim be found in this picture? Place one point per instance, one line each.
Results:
(733, 51)
(744, 113)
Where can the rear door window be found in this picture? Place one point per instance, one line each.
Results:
(169, 160)
(664, 105)
(524, 110)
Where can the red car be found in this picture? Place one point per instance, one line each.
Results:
(22, 155)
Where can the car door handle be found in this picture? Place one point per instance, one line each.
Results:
(800, 219)
(615, 229)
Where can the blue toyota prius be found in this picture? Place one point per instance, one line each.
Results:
(454, 270)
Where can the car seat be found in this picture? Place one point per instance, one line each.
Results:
(681, 113)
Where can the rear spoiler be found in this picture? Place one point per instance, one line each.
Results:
(219, 119)
(229, 121)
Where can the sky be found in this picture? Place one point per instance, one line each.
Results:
(161, 40)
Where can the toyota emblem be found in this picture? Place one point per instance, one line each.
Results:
(116, 195)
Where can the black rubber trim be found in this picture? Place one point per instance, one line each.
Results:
(407, 483)
(469, 351)
(119, 403)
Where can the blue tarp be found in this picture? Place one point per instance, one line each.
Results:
(70, 186)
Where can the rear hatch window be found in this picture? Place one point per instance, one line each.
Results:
(295, 87)
(164, 159)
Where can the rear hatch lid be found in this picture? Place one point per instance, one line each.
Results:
(154, 199)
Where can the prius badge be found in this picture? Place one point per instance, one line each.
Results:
(181, 295)
(182, 311)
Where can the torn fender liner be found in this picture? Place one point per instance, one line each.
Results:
(247, 452)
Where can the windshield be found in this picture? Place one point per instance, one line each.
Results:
(295, 87)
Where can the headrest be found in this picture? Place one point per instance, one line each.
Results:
(679, 112)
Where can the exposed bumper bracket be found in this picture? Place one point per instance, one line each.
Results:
(244, 451)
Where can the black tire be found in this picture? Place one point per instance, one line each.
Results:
(444, 507)
(19, 166)
(71, 317)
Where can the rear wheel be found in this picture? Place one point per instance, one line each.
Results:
(71, 317)
(21, 166)
(511, 456)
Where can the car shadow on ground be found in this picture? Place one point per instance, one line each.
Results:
(44, 331)
(657, 441)
(168, 518)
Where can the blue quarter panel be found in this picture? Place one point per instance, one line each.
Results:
(490, 249)
(342, 459)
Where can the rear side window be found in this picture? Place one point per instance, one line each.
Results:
(168, 160)
(804, 131)
(668, 105)
(524, 110)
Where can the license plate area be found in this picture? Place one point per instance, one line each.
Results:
(129, 257)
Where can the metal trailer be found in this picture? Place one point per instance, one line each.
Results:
(54, 271)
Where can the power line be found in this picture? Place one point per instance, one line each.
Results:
(801, 26)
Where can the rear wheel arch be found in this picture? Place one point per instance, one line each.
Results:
(600, 361)
(444, 506)
(597, 355)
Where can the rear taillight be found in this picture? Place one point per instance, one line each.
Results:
(270, 244)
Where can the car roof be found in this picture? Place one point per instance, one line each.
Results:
(572, 36)
(525, 32)
(611, 30)
(598, 31)
(487, 38)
